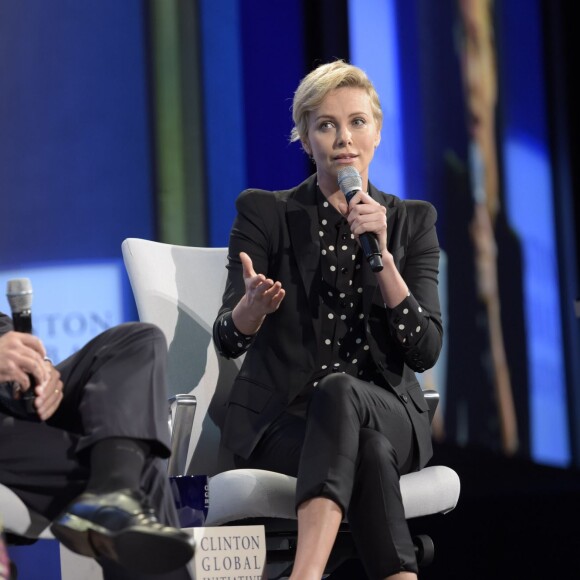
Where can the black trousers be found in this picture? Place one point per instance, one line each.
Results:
(115, 386)
(352, 447)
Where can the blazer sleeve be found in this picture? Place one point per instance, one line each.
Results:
(416, 324)
(251, 233)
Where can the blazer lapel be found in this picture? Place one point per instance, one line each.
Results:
(302, 220)
(302, 216)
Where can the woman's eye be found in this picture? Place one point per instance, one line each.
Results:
(359, 122)
(326, 125)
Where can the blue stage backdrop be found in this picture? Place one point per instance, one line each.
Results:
(75, 151)
(76, 172)
(252, 59)
(417, 72)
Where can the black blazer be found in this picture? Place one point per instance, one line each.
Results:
(279, 231)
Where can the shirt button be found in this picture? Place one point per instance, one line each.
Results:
(405, 398)
(344, 270)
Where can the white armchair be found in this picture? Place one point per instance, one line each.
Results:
(179, 289)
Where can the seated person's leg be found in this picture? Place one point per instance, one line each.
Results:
(115, 402)
(115, 386)
(39, 464)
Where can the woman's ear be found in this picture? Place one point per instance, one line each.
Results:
(306, 147)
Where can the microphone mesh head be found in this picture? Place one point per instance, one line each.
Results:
(349, 179)
(19, 294)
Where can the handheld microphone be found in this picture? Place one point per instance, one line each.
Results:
(19, 294)
(349, 182)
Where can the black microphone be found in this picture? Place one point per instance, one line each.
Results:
(350, 181)
(19, 294)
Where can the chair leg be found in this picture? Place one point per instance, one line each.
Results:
(424, 549)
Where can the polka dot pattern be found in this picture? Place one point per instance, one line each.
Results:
(343, 339)
(232, 340)
(410, 321)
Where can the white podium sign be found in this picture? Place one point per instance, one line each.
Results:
(229, 553)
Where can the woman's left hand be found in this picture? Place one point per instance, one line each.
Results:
(367, 215)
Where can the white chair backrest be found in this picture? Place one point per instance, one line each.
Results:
(179, 288)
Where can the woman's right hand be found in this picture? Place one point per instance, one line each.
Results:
(263, 296)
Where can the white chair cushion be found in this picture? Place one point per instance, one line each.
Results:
(252, 493)
(18, 519)
(434, 489)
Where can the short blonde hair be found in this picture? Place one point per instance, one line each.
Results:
(314, 87)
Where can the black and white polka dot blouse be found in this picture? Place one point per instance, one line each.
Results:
(344, 347)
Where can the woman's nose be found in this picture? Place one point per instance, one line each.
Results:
(344, 137)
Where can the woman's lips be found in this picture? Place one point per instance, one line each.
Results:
(345, 159)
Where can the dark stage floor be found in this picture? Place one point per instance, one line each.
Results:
(515, 520)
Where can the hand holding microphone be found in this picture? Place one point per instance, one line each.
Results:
(21, 355)
(19, 294)
(350, 182)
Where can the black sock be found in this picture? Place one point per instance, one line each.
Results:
(116, 463)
